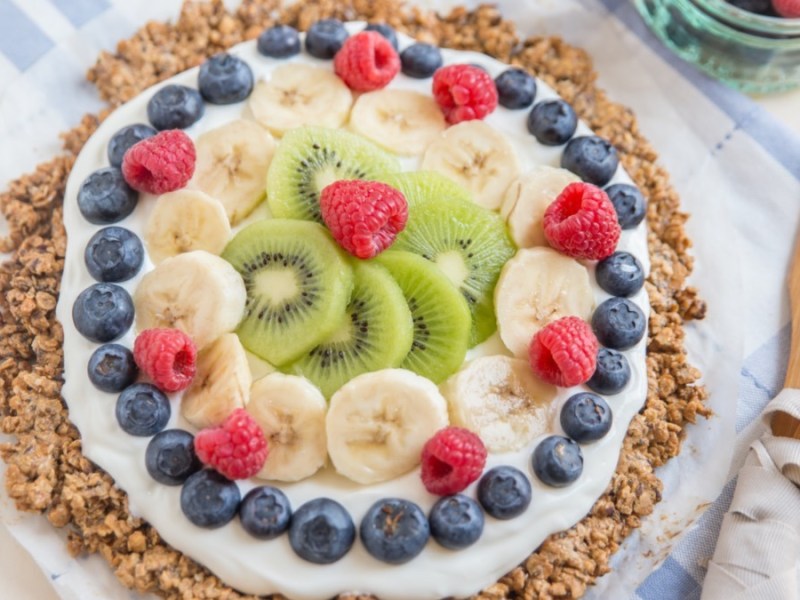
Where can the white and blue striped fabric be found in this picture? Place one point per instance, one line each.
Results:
(738, 173)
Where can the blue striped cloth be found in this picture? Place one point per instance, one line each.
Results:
(736, 168)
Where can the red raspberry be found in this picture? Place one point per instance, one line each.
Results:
(564, 352)
(464, 93)
(237, 448)
(451, 460)
(582, 223)
(167, 356)
(161, 163)
(366, 62)
(363, 216)
(787, 8)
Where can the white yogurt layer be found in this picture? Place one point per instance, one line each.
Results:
(264, 567)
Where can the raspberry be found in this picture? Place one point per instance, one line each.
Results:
(363, 216)
(464, 93)
(564, 352)
(237, 448)
(452, 459)
(367, 61)
(787, 8)
(582, 223)
(161, 163)
(167, 356)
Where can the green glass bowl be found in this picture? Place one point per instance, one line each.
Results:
(750, 52)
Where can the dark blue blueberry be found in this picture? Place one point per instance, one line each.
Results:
(504, 492)
(325, 37)
(225, 79)
(629, 203)
(761, 7)
(552, 123)
(142, 409)
(321, 531)
(124, 139)
(175, 107)
(265, 512)
(612, 374)
(105, 198)
(557, 461)
(279, 41)
(170, 457)
(394, 530)
(114, 254)
(591, 158)
(586, 417)
(619, 324)
(209, 499)
(385, 30)
(621, 274)
(112, 368)
(515, 88)
(103, 312)
(456, 521)
(420, 60)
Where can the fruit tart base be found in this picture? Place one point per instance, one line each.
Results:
(47, 472)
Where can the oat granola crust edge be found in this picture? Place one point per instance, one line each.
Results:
(48, 474)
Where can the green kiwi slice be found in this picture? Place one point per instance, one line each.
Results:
(298, 284)
(374, 333)
(310, 158)
(466, 241)
(440, 315)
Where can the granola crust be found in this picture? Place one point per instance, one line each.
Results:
(48, 474)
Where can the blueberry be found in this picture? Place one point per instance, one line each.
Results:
(629, 203)
(515, 88)
(170, 458)
(279, 41)
(621, 274)
(612, 374)
(265, 512)
(385, 31)
(420, 60)
(456, 521)
(504, 492)
(175, 107)
(618, 323)
(394, 530)
(124, 139)
(142, 409)
(325, 37)
(586, 417)
(112, 368)
(557, 461)
(225, 79)
(105, 198)
(114, 254)
(591, 158)
(209, 499)
(552, 123)
(321, 531)
(103, 312)
(761, 7)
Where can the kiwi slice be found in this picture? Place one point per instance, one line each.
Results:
(375, 333)
(310, 158)
(466, 241)
(440, 314)
(298, 284)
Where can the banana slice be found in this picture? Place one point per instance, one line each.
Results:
(527, 198)
(501, 400)
(258, 366)
(477, 157)
(378, 423)
(401, 121)
(221, 384)
(536, 287)
(183, 221)
(232, 164)
(291, 411)
(298, 95)
(196, 292)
